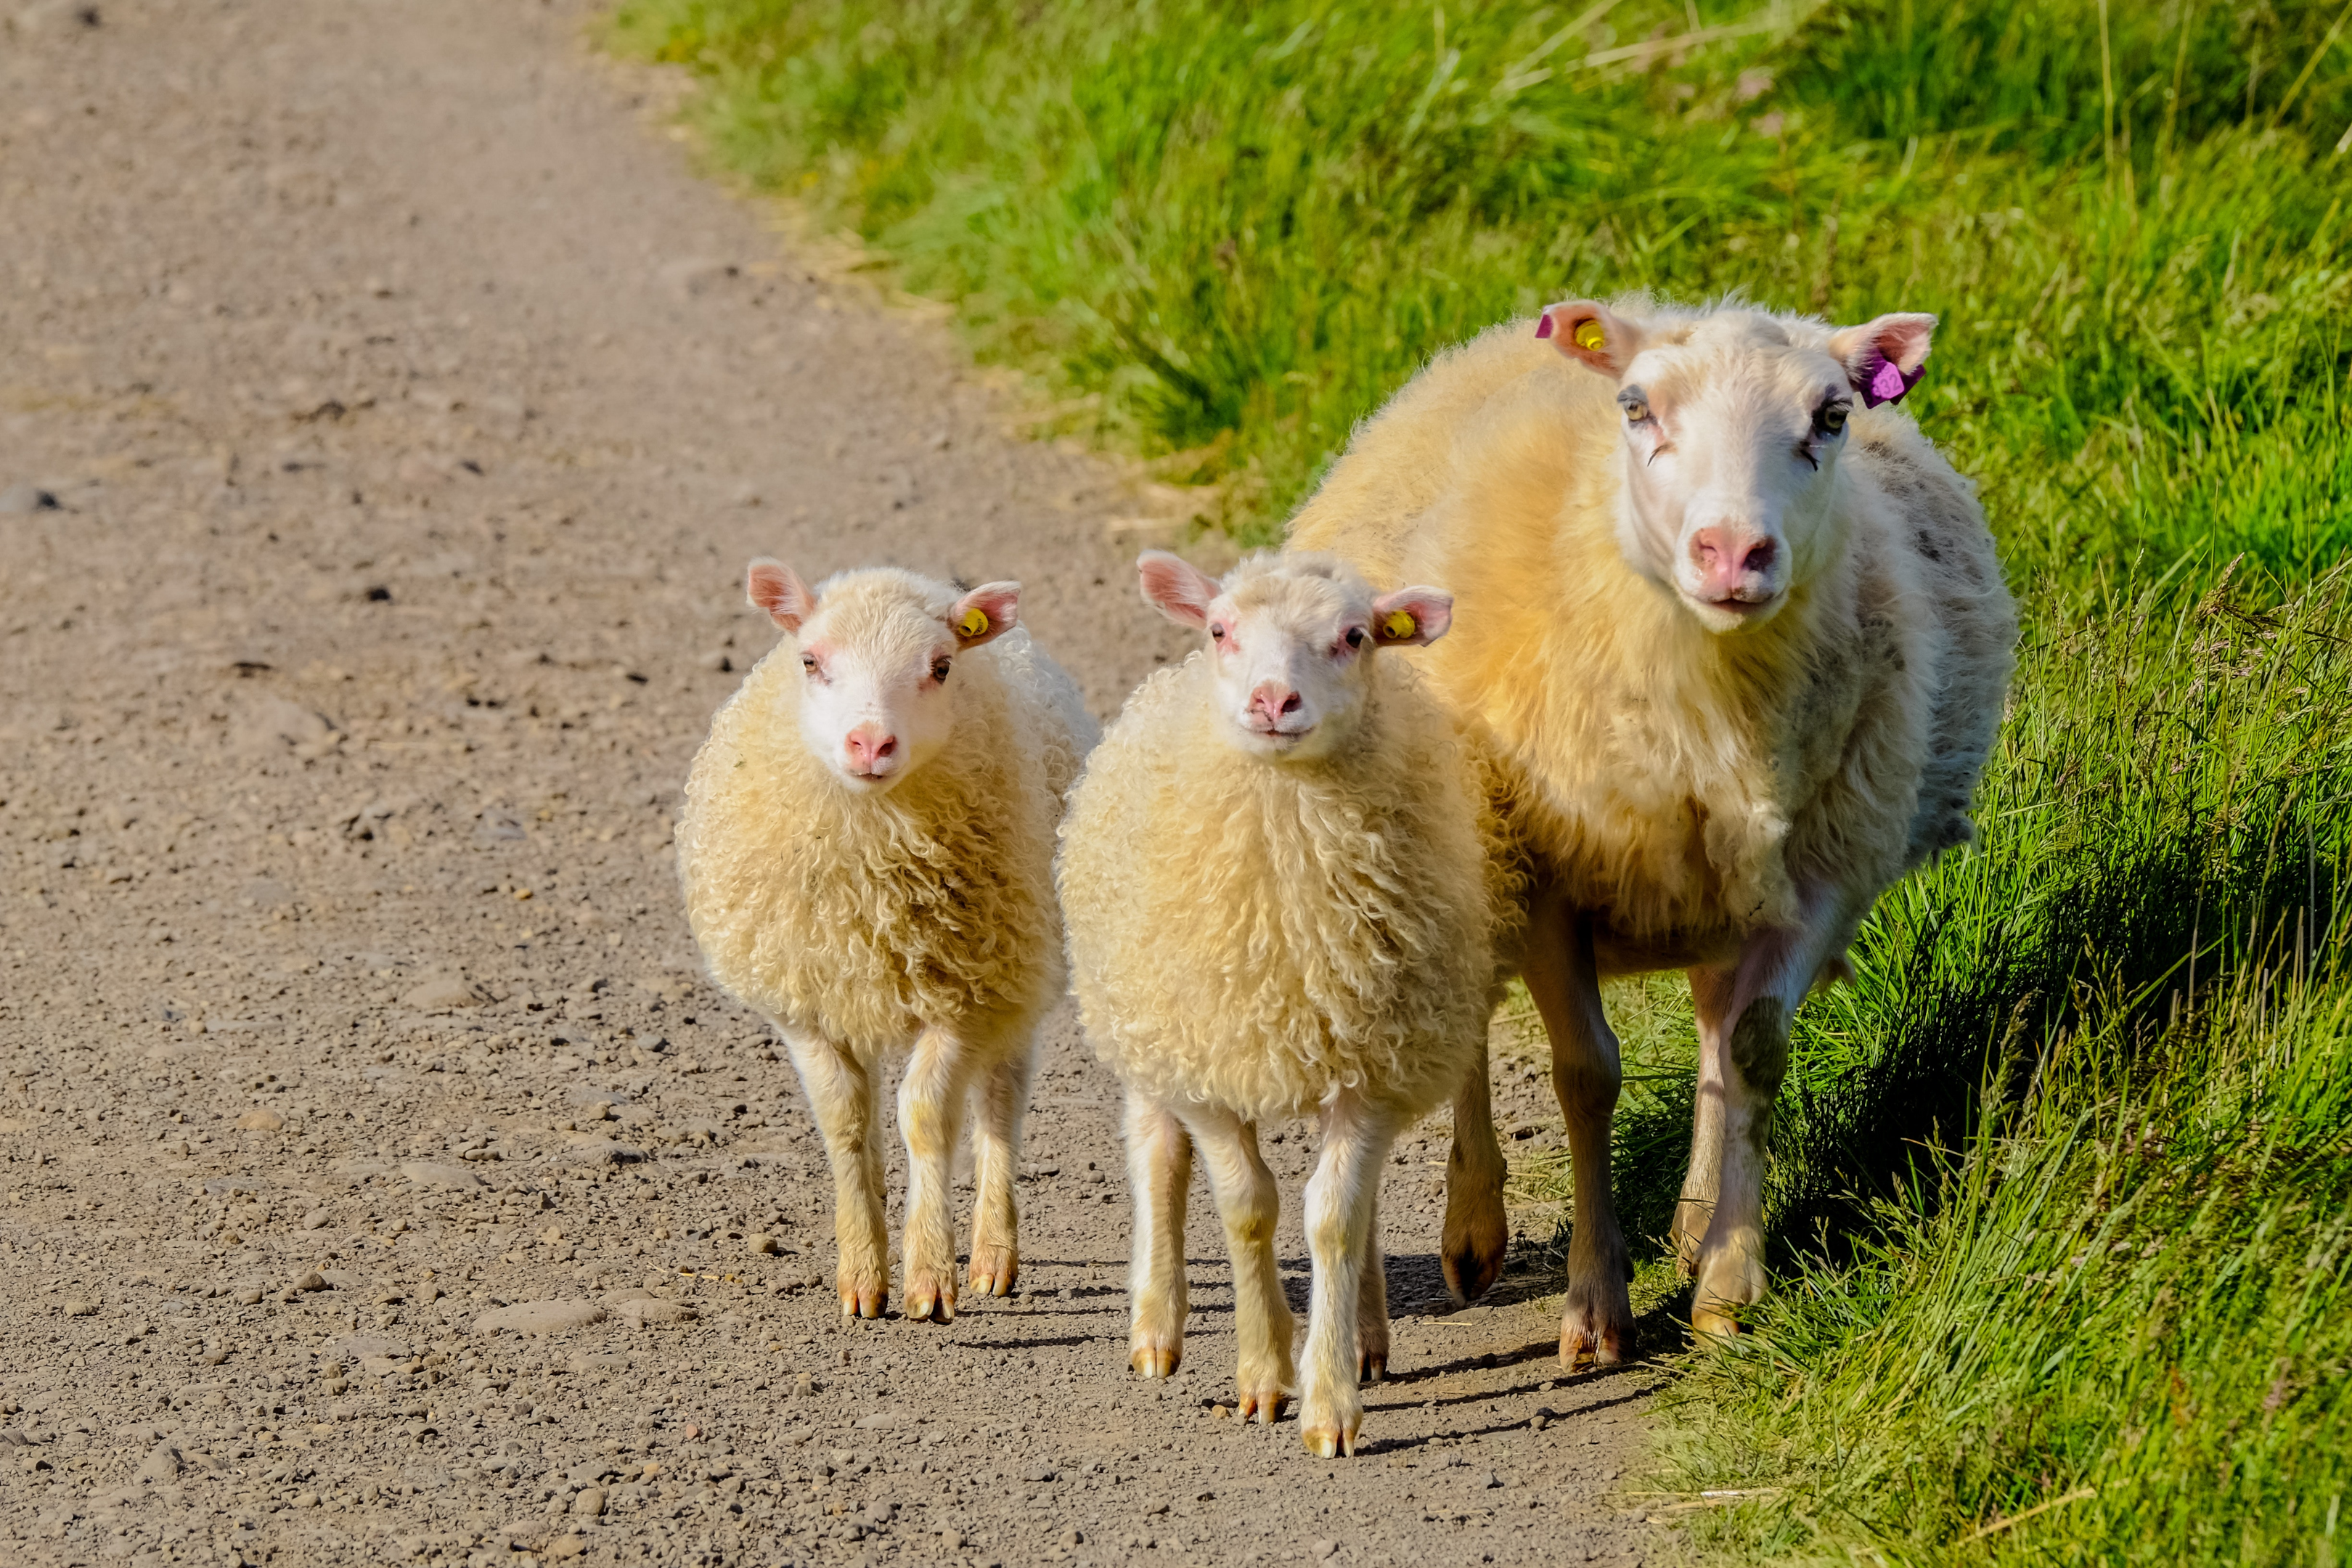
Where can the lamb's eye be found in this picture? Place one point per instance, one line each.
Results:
(940, 670)
(1636, 412)
(1636, 405)
(1217, 634)
(1832, 418)
(1355, 636)
(808, 663)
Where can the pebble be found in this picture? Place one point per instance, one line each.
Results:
(804, 1386)
(249, 1296)
(161, 1464)
(261, 1118)
(317, 1219)
(589, 1503)
(312, 1281)
(540, 1317)
(442, 996)
(437, 1174)
(20, 500)
(567, 1546)
(81, 1306)
(762, 1246)
(645, 1311)
(593, 1151)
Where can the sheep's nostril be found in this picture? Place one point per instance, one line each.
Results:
(1290, 703)
(1760, 559)
(888, 745)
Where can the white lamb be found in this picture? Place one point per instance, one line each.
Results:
(1739, 638)
(1281, 902)
(867, 855)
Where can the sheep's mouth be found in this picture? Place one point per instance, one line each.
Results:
(1735, 610)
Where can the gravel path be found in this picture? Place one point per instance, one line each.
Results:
(386, 412)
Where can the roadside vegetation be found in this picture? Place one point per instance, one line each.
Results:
(2065, 1186)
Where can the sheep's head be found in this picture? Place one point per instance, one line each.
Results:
(1290, 643)
(1733, 423)
(878, 651)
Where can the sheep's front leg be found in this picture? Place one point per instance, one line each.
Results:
(1249, 1206)
(1160, 1170)
(1342, 1200)
(1597, 1321)
(840, 1088)
(931, 1113)
(1477, 1232)
(1711, 1000)
(996, 1164)
(1744, 1019)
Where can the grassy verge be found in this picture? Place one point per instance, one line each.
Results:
(2061, 1181)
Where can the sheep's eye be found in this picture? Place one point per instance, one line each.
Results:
(808, 663)
(1832, 418)
(940, 670)
(1355, 636)
(1635, 404)
(1217, 634)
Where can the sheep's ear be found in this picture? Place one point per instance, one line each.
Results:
(776, 589)
(1590, 330)
(1884, 358)
(1411, 617)
(985, 613)
(1176, 588)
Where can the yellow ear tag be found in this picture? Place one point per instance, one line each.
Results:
(974, 621)
(1399, 625)
(1589, 334)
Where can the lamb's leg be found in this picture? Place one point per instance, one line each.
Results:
(1250, 1205)
(1372, 1306)
(1598, 1318)
(1752, 1016)
(930, 1111)
(1341, 1201)
(1711, 998)
(1478, 1232)
(1159, 1170)
(996, 1164)
(841, 1094)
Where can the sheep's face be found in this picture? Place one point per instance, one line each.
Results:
(1732, 424)
(878, 651)
(1291, 639)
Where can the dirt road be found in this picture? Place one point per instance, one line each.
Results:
(386, 412)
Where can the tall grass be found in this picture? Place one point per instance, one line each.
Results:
(2060, 1183)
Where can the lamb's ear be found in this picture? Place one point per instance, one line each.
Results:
(988, 612)
(776, 589)
(1884, 358)
(1176, 588)
(1590, 330)
(1411, 617)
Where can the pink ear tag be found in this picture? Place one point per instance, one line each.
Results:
(1543, 325)
(1889, 381)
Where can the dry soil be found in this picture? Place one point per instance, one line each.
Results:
(386, 412)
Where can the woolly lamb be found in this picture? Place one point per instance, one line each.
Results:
(867, 851)
(1277, 894)
(1773, 697)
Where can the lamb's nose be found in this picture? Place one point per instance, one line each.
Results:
(869, 747)
(1273, 700)
(1730, 560)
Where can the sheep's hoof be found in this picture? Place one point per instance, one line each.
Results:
(993, 1269)
(930, 1300)
(1156, 1359)
(1330, 1437)
(1371, 1366)
(1596, 1326)
(1263, 1405)
(864, 1300)
(1716, 1321)
(1477, 1235)
(1691, 1217)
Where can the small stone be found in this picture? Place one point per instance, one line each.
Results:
(161, 1464)
(312, 1281)
(647, 1311)
(1073, 1537)
(593, 1151)
(249, 1296)
(589, 1503)
(440, 1173)
(17, 500)
(1323, 1549)
(1219, 1411)
(317, 1219)
(81, 1306)
(261, 1118)
(306, 1500)
(804, 1386)
(1037, 1473)
(762, 1246)
(567, 1546)
(540, 1317)
(442, 996)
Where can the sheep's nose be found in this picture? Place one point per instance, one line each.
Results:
(870, 748)
(1733, 563)
(1272, 699)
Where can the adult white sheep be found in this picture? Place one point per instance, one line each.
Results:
(1741, 646)
(868, 852)
(1281, 902)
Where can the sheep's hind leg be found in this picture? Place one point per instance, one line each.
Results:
(1478, 1232)
(1342, 1202)
(841, 1094)
(931, 1109)
(1160, 1170)
(1597, 1321)
(1372, 1306)
(1711, 1000)
(1250, 1205)
(996, 1164)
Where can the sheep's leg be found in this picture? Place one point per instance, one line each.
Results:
(1750, 1015)
(1372, 1306)
(996, 1164)
(1711, 997)
(930, 1112)
(841, 1094)
(1597, 1321)
(1342, 1201)
(1478, 1232)
(1159, 1170)
(1250, 1205)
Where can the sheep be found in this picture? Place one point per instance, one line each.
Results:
(1740, 647)
(867, 850)
(1281, 901)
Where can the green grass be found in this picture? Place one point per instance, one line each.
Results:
(2062, 1182)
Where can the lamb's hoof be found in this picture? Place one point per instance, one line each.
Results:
(1713, 1322)
(1263, 1405)
(862, 1301)
(1155, 1358)
(930, 1297)
(993, 1269)
(1372, 1366)
(1477, 1235)
(1331, 1435)
(1689, 1231)
(1597, 1325)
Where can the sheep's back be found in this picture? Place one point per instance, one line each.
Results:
(1257, 935)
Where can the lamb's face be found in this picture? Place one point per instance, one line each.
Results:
(1291, 639)
(1732, 424)
(877, 652)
